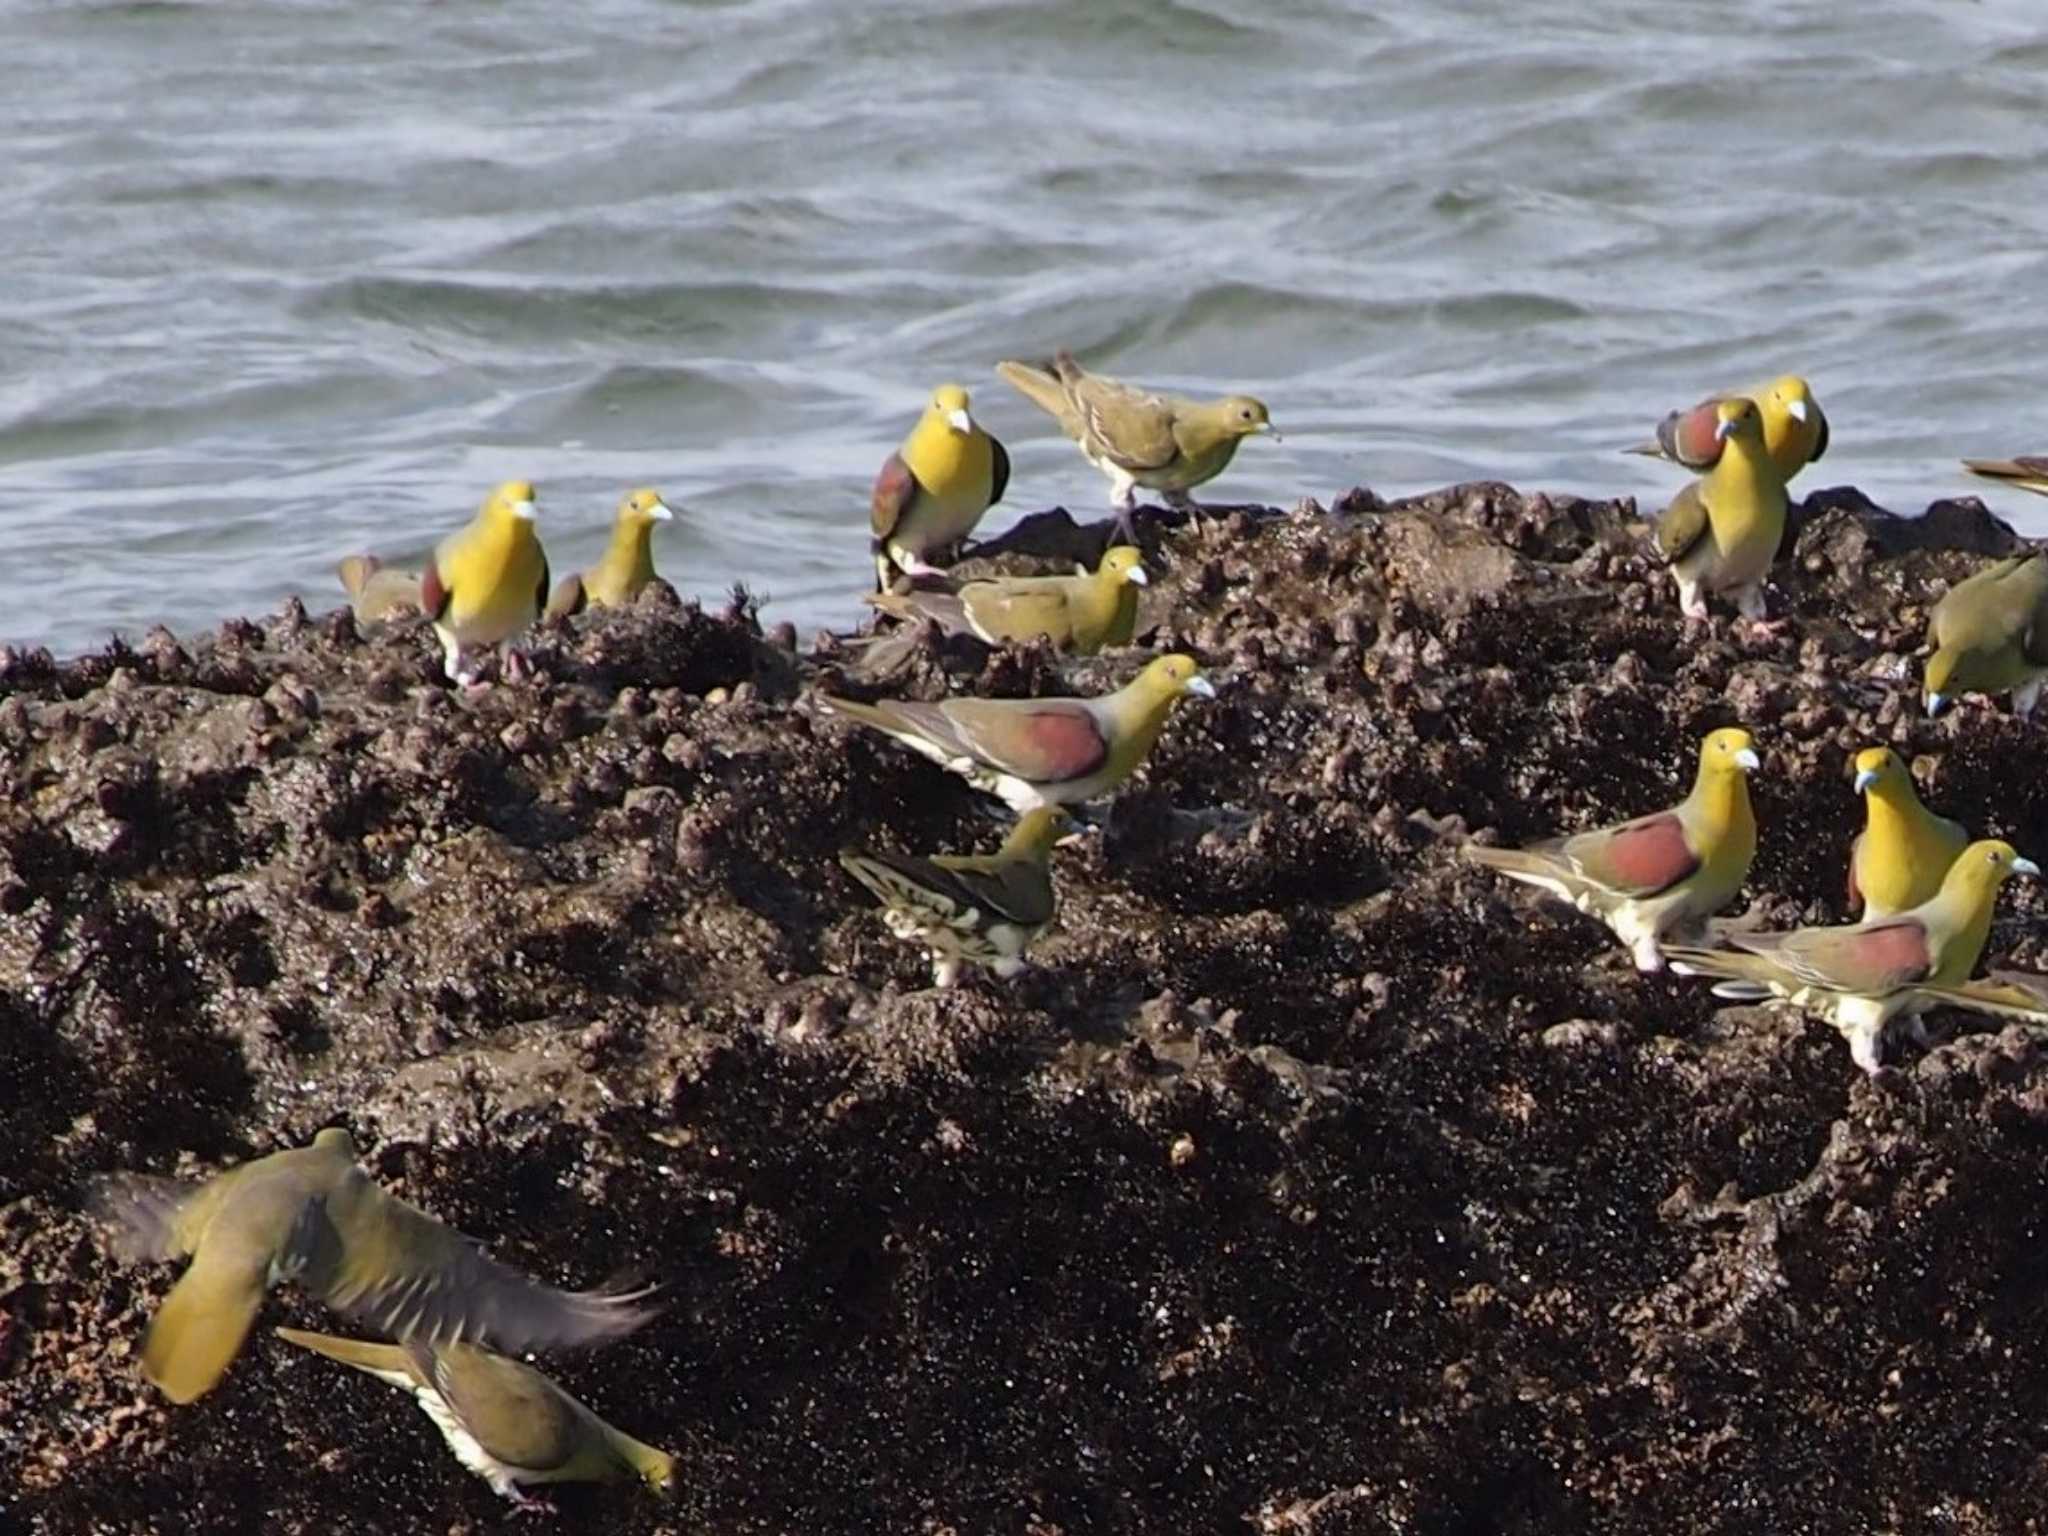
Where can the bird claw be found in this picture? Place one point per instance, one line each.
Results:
(532, 1504)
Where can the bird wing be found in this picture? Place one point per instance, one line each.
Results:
(1638, 858)
(1042, 741)
(434, 595)
(373, 1256)
(2034, 633)
(1019, 890)
(1022, 607)
(1871, 959)
(1041, 385)
(569, 598)
(999, 469)
(1820, 431)
(1011, 890)
(510, 1409)
(1132, 428)
(1683, 525)
(2027, 471)
(355, 572)
(1994, 608)
(142, 1214)
(199, 1329)
(1692, 437)
(923, 604)
(895, 490)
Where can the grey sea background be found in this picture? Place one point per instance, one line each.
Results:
(284, 281)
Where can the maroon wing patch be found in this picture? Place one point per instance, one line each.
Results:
(433, 596)
(895, 489)
(1889, 954)
(1050, 745)
(1640, 858)
(1690, 436)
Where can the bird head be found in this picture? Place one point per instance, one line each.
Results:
(1168, 677)
(658, 1472)
(1123, 563)
(950, 401)
(1792, 395)
(337, 1141)
(644, 507)
(1243, 416)
(1729, 750)
(1737, 417)
(1941, 667)
(514, 501)
(1038, 829)
(1877, 767)
(1985, 866)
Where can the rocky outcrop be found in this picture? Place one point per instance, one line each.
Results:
(1314, 1181)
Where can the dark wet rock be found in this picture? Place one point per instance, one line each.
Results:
(1314, 1182)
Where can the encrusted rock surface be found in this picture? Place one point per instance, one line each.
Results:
(1315, 1182)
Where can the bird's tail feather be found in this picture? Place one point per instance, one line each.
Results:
(363, 1354)
(891, 883)
(1742, 977)
(2004, 1001)
(1521, 864)
(356, 571)
(1038, 384)
(853, 709)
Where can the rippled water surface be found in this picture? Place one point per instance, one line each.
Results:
(283, 281)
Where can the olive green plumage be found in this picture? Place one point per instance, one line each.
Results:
(1080, 614)
(487, 580)
(1035, 752)
(1722, 531)
(503, 1419)
(377, 592)
(313, 1216)
(1659, 874)
(1860, 976)
(1139, 437)
(1795, 428)
(1990, 635)
(983, 909)
(1899, 858)
(627, 565)
(932, 491)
